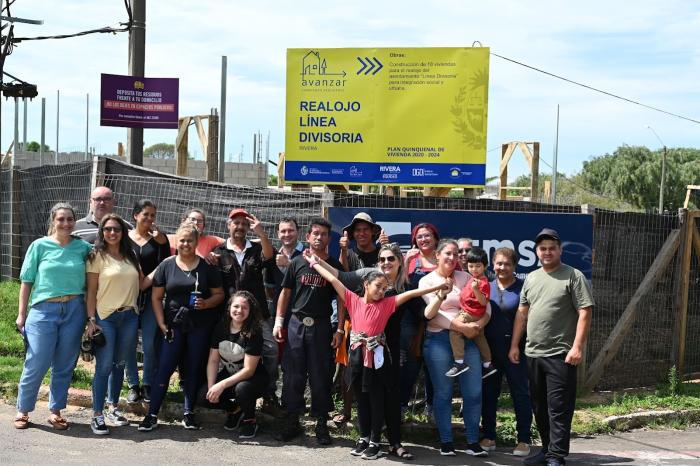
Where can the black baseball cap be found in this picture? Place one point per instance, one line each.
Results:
(547, 233)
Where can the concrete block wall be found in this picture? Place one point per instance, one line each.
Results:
(250, 174)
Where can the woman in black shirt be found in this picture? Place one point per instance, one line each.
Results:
(186, 296)
(235, 374)
(151, 247)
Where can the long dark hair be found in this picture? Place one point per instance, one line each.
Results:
(252, 324)
(124, 246)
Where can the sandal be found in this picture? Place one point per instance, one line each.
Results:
(400, 452)
(21, 422)
(58, 422)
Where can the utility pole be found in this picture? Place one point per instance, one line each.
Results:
(43, 130)
(222, 122)
(137, 49)
(87, 124)
(24, 126)
(58, 108)
(556, 157)
(663, 182)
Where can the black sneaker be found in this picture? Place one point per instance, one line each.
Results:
(457, 369)
(98, 426)
(474, 449)
(537, 459)
(233, 420)
(447, 449)
(323, 437)
(290, 429)
(360, 447)
(372, 452)
(116, 418)
(248, 428)
(146, 393)
(149, 423)
(271, 406)
(488, 370)
(134, 394)
(189, 423)
(556, 462)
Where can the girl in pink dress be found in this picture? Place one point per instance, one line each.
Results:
(368, 367)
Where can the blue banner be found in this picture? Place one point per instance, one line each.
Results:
(488, 229)
(423, 174)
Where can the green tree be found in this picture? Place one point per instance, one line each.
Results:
(161, 150)
(34, 146)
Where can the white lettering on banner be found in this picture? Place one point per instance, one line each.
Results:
(526, 251)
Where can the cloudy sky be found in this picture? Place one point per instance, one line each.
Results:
(647, 51)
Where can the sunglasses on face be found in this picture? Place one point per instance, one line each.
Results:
(464, 250)
(387, 259)
(112, 229)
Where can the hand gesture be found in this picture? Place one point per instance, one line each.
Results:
(383, 238)
(310, 256)
(447, 286)
(344, 241)
(255, 225)
(412, 253)
(282, 261)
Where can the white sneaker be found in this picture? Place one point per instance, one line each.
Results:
(116, 418)
(521, 449)
(487, 444)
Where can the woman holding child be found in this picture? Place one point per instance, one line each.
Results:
(442, 310)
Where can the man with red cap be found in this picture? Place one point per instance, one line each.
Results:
(241, 263)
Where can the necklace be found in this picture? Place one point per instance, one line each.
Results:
(190, 268)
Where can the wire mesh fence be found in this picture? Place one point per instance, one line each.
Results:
(626, 245)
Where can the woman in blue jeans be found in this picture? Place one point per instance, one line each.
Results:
(442, 309)
(53, 287)
(186, 296)
(505, 298)
(113, 279)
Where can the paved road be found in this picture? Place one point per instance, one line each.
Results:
(171, 444)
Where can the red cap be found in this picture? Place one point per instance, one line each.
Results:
(237, 212)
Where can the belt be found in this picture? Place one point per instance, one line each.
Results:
(125, 308)
(306, 320)
(62, 299)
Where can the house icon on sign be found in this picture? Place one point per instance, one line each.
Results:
(312, 64)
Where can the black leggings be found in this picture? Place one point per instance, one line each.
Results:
(370, 409)
(244, 394)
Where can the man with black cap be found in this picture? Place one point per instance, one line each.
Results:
(556, 304)
(365, 232)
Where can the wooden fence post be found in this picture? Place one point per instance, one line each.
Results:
(687, 229)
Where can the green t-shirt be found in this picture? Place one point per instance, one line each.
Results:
(554, 299)
(54, 270)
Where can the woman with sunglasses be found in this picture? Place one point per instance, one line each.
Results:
(420, 260)
(207, 243)
(53, 288)
(113, 281)
(391, 264)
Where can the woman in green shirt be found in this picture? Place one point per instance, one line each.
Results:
(53, 288)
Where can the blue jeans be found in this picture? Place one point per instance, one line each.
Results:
(437, 354)
(120, 330)
(517, 377)
(53, 332)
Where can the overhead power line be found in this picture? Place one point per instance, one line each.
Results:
(105, 30)
(586, 86)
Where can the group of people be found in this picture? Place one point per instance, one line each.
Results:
(225, 312)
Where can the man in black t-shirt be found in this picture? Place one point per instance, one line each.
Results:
(310, 337)
(365, 233)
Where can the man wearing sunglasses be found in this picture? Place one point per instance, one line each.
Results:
(101, 204)
(365, 233)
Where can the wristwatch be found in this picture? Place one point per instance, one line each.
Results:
(92, 319)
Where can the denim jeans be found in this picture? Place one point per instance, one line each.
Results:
(437, 354)
(53, 332)
(517, 377)
(120, 330)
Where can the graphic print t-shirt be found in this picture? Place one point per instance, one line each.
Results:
(234, 346)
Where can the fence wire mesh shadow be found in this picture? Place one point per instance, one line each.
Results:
(625, 246)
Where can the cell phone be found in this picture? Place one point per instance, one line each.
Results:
(24, 338)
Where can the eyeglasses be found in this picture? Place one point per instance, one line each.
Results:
(196, 220)
(102, 199)
(387, 259)
(112, 229)
(464, 250)
(422, 237)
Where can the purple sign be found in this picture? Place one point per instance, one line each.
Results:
(135, 102)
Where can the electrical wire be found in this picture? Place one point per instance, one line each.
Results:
(105, 30)
(586, 86)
